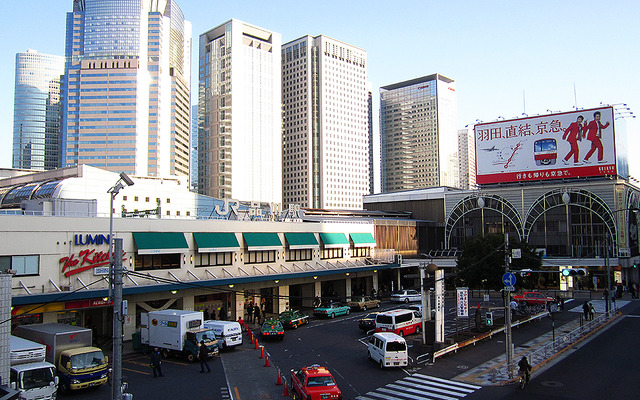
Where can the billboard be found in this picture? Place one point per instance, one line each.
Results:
(554, 146)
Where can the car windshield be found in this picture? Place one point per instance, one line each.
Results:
(370, 316)
(314, 381)
(396, 346)
(87, 360)
(205, 335)
(326, 305)
(36, 378)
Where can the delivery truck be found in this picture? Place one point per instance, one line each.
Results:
(228, 333)
(79, 365)
(177, 332)
(30, 374)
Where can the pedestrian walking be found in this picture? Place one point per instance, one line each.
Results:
(585, 310)
(256, 313)
(206, 314)
(203, 354)
(250, 312)
(592, 312)
(156, 362)
(241, 322)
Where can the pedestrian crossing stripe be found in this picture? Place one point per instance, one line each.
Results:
(421, 387)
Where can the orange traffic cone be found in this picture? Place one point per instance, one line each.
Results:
(266, 362)
(279, 380)
(261, 351)
(286, 393)
(256, 347)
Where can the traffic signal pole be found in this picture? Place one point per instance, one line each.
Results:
(507, 310)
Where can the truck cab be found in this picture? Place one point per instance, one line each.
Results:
(82, 368)
(193, 339)
(33, 377)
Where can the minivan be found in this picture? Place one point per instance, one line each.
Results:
(400, 322)
(388, 350)
(228, 333)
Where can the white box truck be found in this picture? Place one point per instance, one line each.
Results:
(177, 332)
(30, 374)
(228, 333)
(79, 365)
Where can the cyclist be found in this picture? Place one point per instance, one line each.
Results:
(525, 369)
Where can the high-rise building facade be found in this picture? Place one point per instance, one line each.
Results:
(127, 87)
(193, 168)
(466, 158)
(37, 111)
(239, 113)
(418, 140)
(325, 109)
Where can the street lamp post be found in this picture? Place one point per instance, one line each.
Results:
(115, 288)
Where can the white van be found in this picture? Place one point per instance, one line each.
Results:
(400, 322)
(228, 333)
(388, 350)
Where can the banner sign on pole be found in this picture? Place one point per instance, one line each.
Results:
(463, 302)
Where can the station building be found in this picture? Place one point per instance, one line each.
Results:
(181, 250)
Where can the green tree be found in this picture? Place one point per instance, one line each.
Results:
(481, 264)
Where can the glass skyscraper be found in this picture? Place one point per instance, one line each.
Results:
(37, 111)
(418, 132)
(127, 87)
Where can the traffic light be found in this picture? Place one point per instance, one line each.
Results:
(574, 272)
(489, 318)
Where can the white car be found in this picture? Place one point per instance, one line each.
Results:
(418, 308)
(405, 296)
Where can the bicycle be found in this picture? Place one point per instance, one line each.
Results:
(525, 377)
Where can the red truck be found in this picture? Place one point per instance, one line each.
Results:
(314, 383)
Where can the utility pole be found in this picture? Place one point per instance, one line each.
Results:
(118, 319)
(507, 309)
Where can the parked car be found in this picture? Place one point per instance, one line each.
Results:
(273, 329)
(363, 303)
(331, 309)
(368, 322)
(533, 298)
(405, 296)
(293, 318)
(314, 383)
(418, 308)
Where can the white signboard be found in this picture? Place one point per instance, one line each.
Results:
(553, 146)
(463, 302)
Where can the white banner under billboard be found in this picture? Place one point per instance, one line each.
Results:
(553, 146)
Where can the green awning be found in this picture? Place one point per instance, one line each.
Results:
(363, 239)
(160, 242)
(262, 241)
(334, 240)
(216, 242)
(301, 240)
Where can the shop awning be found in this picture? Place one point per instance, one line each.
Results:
(216, 242)
(160, 242)
(262, 241)
(363, 239)
(301, 240)
(334, 240)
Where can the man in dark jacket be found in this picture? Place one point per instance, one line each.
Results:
(156, 362)
(203, 354)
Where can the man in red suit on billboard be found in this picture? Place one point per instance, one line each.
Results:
(572, 135)
(594, 133)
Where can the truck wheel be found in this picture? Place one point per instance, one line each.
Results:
(191, 357)
(165, 353)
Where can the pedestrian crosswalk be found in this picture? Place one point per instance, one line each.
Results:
(421, 387)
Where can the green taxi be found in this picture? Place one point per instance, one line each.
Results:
(331, 309)
(272, 329)
(293, 318)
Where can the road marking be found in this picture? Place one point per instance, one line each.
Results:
(134, 370)
(421, 387)
(235, 390)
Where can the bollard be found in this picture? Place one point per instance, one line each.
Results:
(279, 379)
(266, 362)
(261, 351)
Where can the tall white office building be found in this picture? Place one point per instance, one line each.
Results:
(37, 111)
(239, 113)
(127, 87)
(467, 158)
(418, 124)
(325, 109)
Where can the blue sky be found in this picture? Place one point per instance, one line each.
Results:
(507, 57)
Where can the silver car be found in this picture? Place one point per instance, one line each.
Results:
(405, 296)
